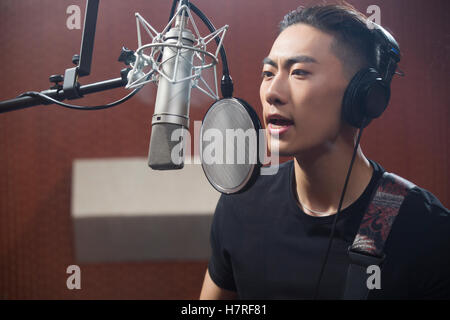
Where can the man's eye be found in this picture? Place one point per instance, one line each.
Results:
(267, 74)
(300, 72)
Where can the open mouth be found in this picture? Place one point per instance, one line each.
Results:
(278, 124)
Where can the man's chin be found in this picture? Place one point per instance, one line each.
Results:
(283, 151)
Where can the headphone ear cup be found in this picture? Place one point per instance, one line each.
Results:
(365, 98)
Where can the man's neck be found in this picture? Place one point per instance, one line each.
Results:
(320, 177)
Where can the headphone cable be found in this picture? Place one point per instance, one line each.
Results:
(330, 240)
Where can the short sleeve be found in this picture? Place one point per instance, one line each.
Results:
(431, 279)
(220, 267)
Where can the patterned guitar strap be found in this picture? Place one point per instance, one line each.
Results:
(368, 247)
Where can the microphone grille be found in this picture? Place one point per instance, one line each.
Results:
(163, 151)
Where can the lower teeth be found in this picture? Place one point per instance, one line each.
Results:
(278, 126)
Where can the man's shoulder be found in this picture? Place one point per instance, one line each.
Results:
(418, 201)
(425, 204)
(423, 220)
(419, 244)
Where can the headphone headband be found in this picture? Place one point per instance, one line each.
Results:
(389, 52)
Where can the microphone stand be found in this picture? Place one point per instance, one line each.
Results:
(71, 88)
(22, 102)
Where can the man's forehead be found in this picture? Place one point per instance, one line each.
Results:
(301, 40)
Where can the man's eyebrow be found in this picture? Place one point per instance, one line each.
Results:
(267, 60)
(291, 61)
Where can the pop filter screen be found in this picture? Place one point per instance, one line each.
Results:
(229, 145)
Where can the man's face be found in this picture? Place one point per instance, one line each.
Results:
(302, 89)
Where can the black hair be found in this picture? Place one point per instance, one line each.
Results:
(354, 43)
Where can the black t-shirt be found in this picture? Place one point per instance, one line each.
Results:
(265, 247)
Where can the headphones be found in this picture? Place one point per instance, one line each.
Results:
(368, 93)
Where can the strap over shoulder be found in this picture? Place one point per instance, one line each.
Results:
(368, 247)
(380, 215)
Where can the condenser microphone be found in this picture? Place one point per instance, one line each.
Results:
(174, 60)
(171, 116)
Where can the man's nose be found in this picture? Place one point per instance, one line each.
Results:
(276, 93)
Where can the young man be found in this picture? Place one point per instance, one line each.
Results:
(270, 241)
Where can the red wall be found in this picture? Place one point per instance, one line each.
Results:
(38, 145)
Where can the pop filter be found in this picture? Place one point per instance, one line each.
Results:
(230, 143)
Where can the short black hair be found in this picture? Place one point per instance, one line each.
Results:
(354, 43)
